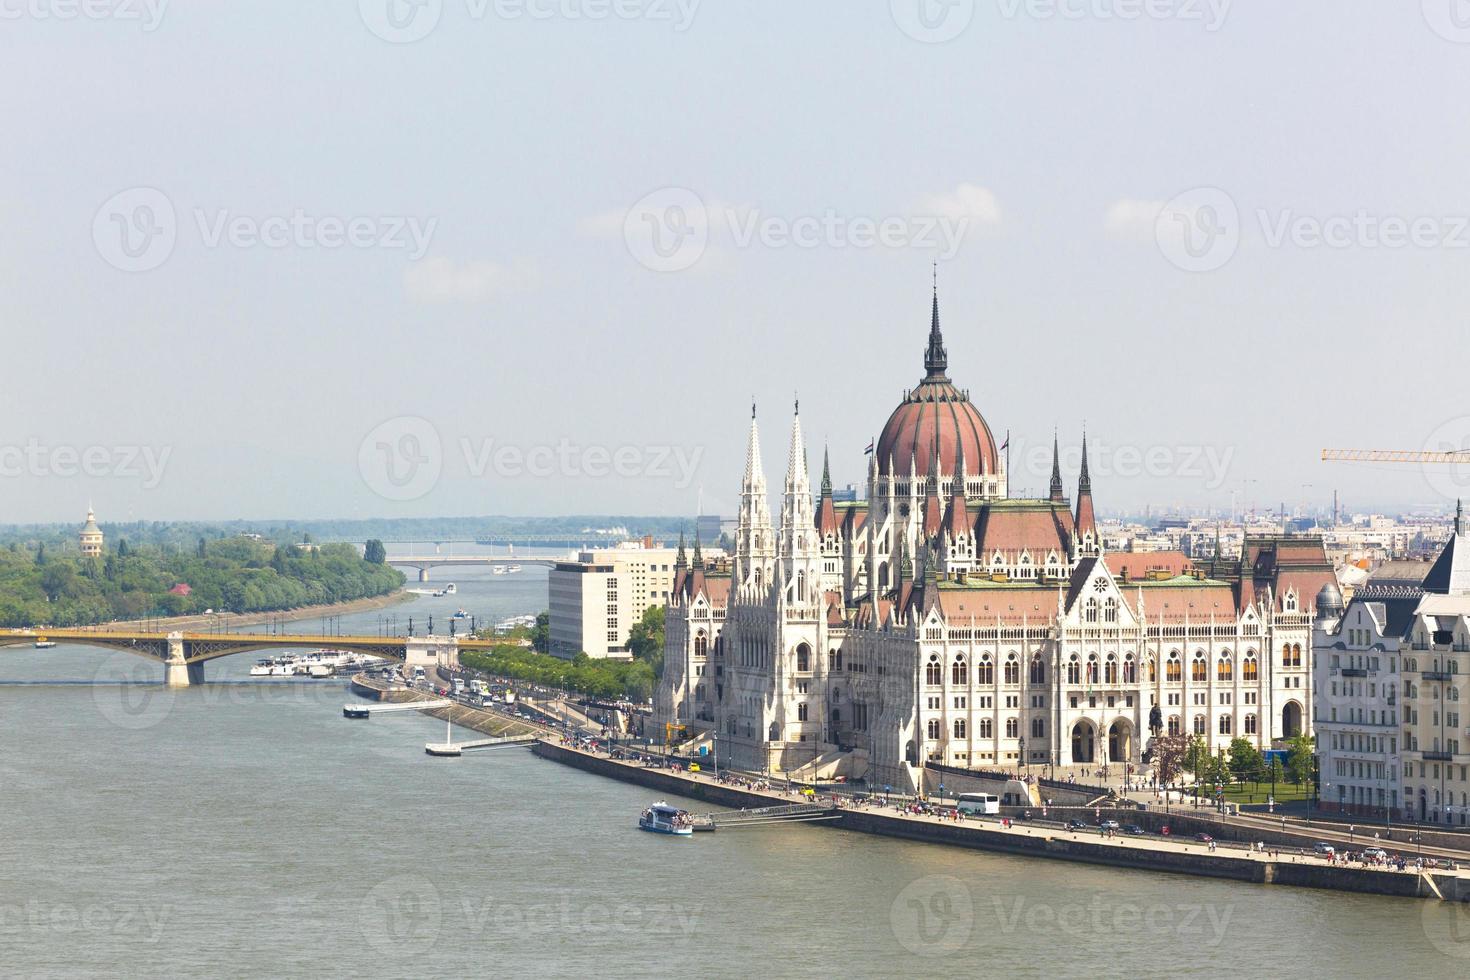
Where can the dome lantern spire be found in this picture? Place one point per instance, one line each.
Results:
(936, 359)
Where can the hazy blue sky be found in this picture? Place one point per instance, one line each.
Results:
(528, 144)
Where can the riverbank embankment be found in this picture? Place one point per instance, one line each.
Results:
(1088, 846)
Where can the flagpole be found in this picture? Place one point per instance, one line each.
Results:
(1008, 457)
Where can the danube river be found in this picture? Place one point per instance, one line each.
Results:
(244, 827)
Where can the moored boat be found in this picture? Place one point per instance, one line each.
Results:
(661, 818)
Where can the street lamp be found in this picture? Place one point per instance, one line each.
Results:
(1020, 753)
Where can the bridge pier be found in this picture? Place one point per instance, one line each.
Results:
(424, 574)
(176, 672)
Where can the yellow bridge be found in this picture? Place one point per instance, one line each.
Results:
(183, 654)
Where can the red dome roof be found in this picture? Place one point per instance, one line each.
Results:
(936, 408)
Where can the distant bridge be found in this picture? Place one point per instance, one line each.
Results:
(183, 655)
(425, 562)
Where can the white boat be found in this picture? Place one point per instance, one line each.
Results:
(283, 667)
(498, 569)
(320, 670)
(262, 668)
(45, 644)
(449, 589)
(460, 614)
(513, 568)
(664, 819)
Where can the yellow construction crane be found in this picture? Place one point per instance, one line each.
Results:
(1393, 456)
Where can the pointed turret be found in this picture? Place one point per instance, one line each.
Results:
(1086, 523)
(826, 512)
(1056, 469)
(681, 560)
(957, 521)
(797, 519)
(936, 359)
(698, 554)
(754, 538)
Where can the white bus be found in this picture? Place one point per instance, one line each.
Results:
(978, 803)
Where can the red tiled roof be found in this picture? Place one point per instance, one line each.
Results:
(1012, 531)
(1138, 564)
(1035, 605)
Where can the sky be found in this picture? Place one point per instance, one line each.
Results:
(399, 258)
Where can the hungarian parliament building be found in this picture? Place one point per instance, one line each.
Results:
(940, 620)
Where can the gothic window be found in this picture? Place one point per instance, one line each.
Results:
(985, 671)
(1153, 670)
(1012, 728)
(1173, 724)
(1250, 724)
(834, 661)
(1130, 670)
(1249, 669)
(959, 728)
(803, 658)
(1013, 670)
(933, 673)
(1199, 672)
(1089, 611)
(987, 729)
(1092, 674)
(1110, 610)
(1038, 728)
(1074, 671)
(1225, 669)
(1173, 669)
(1199, 724)
(1110, 670)
(701, 645)
(959, 672)
(933, 727)
(1038, 670)
(1224, 724)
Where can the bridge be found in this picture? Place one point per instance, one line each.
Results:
(425, 562)
(183, 655)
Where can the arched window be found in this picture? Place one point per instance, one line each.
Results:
(1130, 670)
(933, 727)
(1250, 724)
(1173, 669)
(1089, 611)
(1199, 672)
(1199, 724)
(701, 645)
(1224, 724)
(1173, 724)
(1225, 669)
(803, 658)
(1110, 670)
(834, 661)
(1092, 674)
(985, 671)
(1453, 694)
(1296, 656)
(1153, 670)
(1249, 669)
(1110, 610)
(959, 672)
(1038, 670)
(933, 673)
(959, 728)
(1074, 671)
(1013, 670)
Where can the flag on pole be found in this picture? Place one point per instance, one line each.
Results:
(1007, 444)
(869, 450)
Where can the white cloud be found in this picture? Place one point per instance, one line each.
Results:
(967, 201)
(443, 280)
(1130, 217)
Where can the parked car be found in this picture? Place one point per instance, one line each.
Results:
(1075, 824)
(1133, 830)
(1375, 853)
(1324, 849)
(1204, 838)
(1108, 825)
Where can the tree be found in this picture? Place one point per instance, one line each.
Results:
(201, 549)
(1168, 756)
(41, 553)
(374, 552)
(1197, 757)
(1245, 759)
(122, 548)
(1299, 759)
(646, 639)
(541, 633)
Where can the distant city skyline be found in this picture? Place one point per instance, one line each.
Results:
(382, 279)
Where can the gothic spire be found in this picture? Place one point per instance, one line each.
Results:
(681, 560)
(698, 554)
(1084, 485)
(1056, 468)
(936, 360)
(826, 474)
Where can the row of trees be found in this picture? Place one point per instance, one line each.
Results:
(1174, 755)
(229, 575)
(609, 679)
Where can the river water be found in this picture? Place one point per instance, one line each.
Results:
(243, 827)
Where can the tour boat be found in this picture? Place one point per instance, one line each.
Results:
(664, 819)
(449, 589)
(45, 644)
(460, 614)
(498, 569)
(513, 568)
(321, 670)
(262, 668)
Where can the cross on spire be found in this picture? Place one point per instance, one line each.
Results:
(936, 359)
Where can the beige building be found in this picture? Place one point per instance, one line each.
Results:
(91, 536)
(595, 600)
